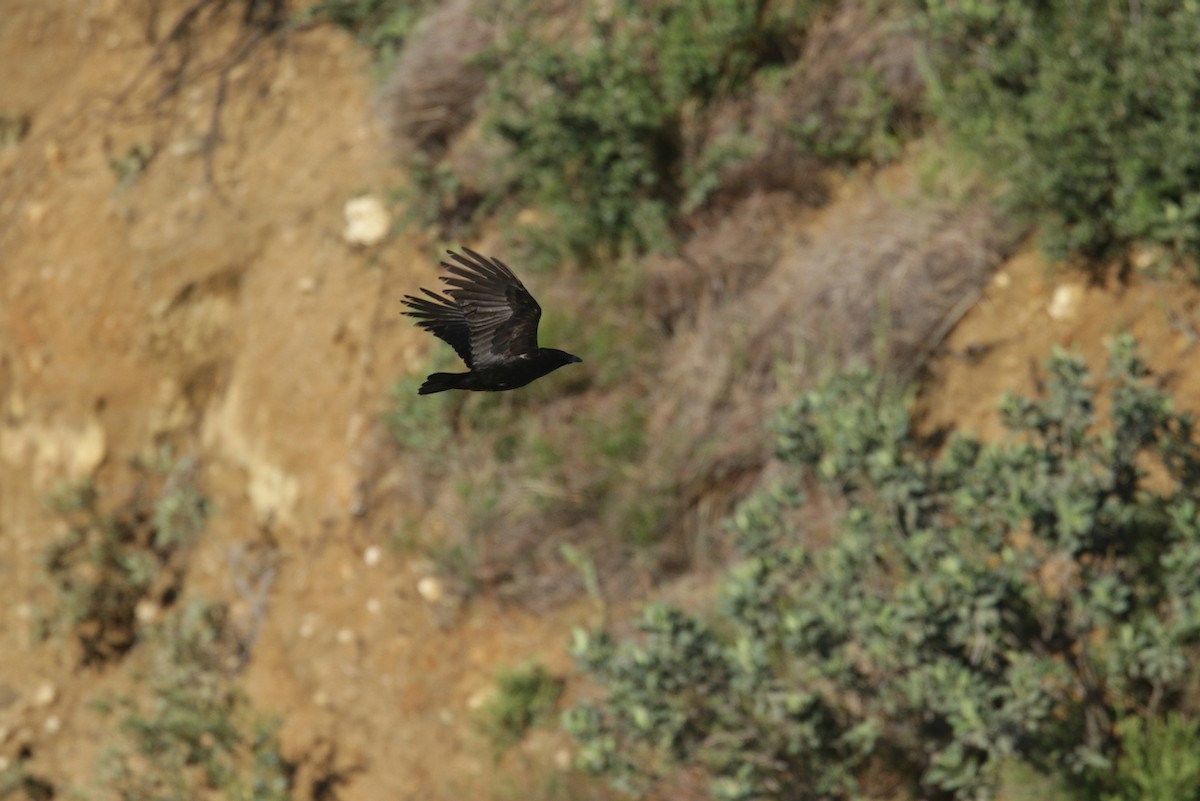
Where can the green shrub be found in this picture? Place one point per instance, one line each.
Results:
(1085, 109)
(381, 25)
(872, 128)
(595, 126)
(197, 737)
(998, 602)
(1160, 759)
(523, 697)
(107, 562)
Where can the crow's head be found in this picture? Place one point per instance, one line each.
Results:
(555, 358)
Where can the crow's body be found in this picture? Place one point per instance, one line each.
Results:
(491, 321)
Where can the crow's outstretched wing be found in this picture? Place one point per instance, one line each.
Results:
(490, 319)
(500, 314)
(445, 320)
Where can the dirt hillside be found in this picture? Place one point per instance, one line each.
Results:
(158, 296)
(230, 320)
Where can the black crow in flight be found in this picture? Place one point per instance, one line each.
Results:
(491, 321)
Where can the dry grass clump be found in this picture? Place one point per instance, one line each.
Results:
(879, 280)
(857, 89)
(431, 94)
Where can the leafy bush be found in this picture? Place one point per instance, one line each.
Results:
(871, 128)
(523, 697)
(999, 602)
(1086, 109)
(596, 126)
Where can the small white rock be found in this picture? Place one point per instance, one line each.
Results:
(88, 449)
(373, 555)
(1065, 302)
(35, 212)
(146, 611)
(1143, 257)
(52, 724)
(430, 588)
(1002, 280)
(45, 695)
(308, 626)
(367, 221)
(186, 147)
(321, 698)
(374, 606)
(479, 698)
(345, 636)
(562, 759)
(307, 285)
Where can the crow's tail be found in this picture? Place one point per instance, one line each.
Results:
(440, 382)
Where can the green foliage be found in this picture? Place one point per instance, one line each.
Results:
(872, 128)
(999, 602)
(705, 176)
(523, 697)
(13, 128)
(595, 126)
(419, 424)
(436, 194)
(848, 442)
(129, 167)
(1086, 109)
(17, 782)
(107, 562)
(381, 25)
(586, 567)
(1160, 760)
(198, 736)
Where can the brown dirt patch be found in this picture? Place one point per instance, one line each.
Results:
(1029, 308)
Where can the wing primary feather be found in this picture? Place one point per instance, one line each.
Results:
(485, 312)
(439, 298)
(492, 268)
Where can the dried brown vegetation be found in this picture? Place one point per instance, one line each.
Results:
(431, 92)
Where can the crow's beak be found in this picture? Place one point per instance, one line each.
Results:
(574, 359)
